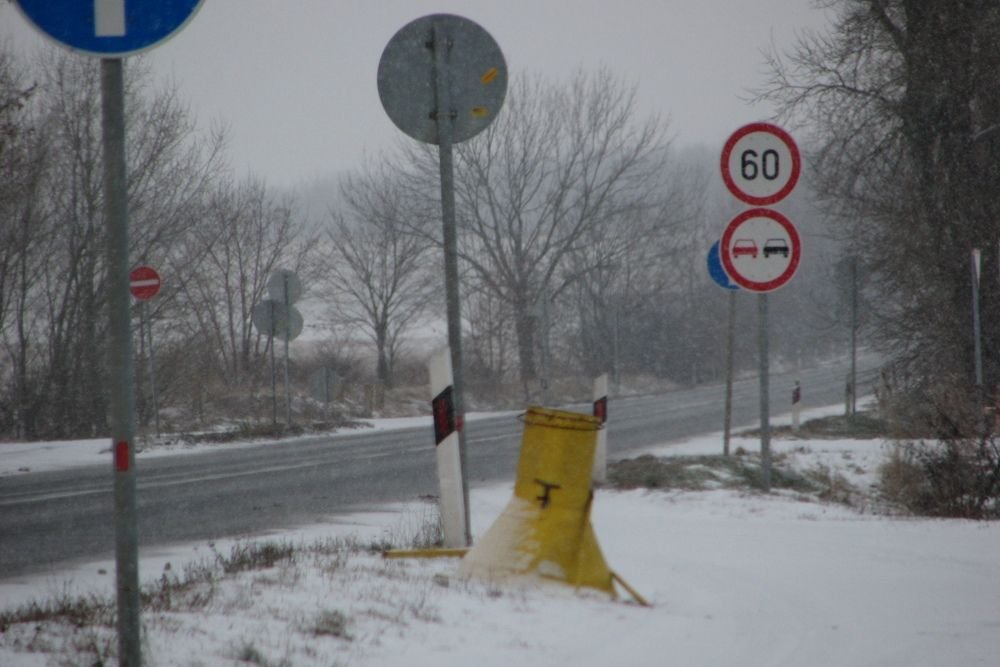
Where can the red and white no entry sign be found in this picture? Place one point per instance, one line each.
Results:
(144, 282)
(760, 250)
(760, 164)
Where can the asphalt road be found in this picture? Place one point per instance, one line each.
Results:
(48, 520)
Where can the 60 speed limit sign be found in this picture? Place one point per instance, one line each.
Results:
(760, 164)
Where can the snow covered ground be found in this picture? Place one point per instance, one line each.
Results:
(734, 578)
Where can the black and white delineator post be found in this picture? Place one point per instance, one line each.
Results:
(446, 438)
(600, 474)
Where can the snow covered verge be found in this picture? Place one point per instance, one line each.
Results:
(734, 576)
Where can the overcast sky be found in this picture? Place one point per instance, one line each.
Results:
(295, 80)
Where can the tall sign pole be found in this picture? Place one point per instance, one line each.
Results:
(285, 288)
(277, 317)
(442, 79)
(105, 30)
(976, 331)
(760, 249)
(120, 360)
(718, 275)
(441, 45)
(144, 284)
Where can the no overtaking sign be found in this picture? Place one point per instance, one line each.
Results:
(760, 250)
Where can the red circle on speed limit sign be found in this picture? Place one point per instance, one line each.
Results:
(760, 164)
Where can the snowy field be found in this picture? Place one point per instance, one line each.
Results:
(733, 577)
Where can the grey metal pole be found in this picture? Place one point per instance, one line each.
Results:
(765, 400)
(976, 328)
(122, 396)
(444, 117)
(854, 335)
(615, 350)
(544, 347)
(288, 335)
(274, 374)
(730, 342)
(152, 370)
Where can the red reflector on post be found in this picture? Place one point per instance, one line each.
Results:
(601, 409)
(121, 456)
(443, 407)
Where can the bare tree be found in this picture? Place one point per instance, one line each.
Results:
(222, 267)
(377, 271)
(56, 334)
(642, 258)
(902, 97)
(561, 164)
(23, 161)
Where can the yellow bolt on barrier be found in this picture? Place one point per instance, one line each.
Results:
(545, 529)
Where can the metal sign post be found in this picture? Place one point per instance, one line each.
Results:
(105, 29)
(718, 274)
(442, 79)
(120, 361)
(144, 284)
(276, 319)
(760, 248)
(442, 47)
(976, 329)
(765, 391)
(730, 355)
(285, 288)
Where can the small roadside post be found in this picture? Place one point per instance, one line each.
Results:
(600, 473)
(446, 449)
(796, 404)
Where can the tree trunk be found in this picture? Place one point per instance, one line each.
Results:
(525, 326)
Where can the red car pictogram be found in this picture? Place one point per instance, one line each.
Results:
(745, 247)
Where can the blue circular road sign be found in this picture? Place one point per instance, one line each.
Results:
(108, 28)
(717, 271)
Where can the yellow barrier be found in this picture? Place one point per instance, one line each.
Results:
(545, 529)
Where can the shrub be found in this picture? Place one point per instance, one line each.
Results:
(949, 478)
(950, 464)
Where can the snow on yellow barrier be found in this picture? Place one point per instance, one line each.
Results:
(545, 529)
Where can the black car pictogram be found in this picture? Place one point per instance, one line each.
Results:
(776, 247)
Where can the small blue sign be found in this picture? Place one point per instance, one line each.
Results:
(716, 271)
(108, 28)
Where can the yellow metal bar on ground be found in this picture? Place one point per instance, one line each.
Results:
(631, 591)
(424, 553)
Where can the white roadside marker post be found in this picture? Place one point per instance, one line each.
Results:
(446, 439)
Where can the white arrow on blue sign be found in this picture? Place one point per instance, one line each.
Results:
(108, 28)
